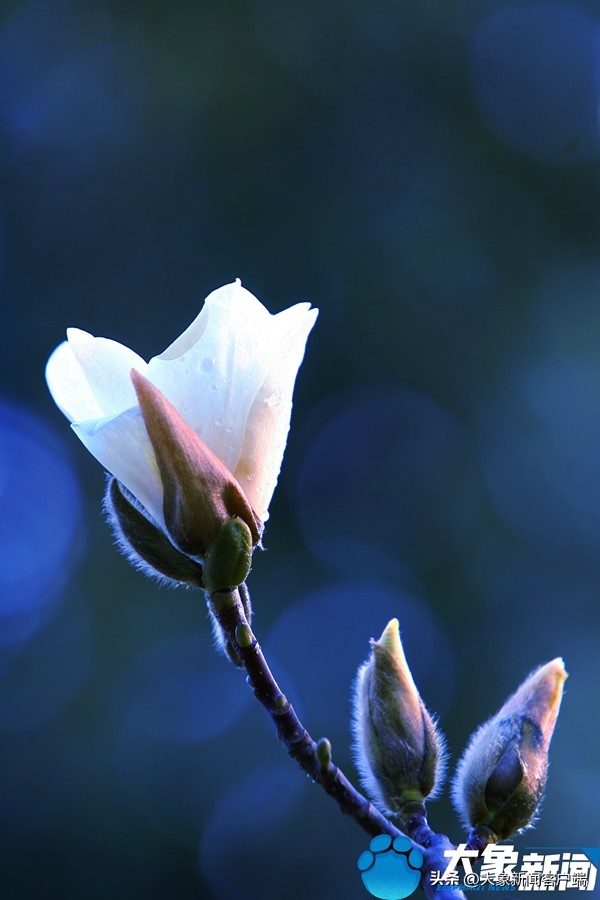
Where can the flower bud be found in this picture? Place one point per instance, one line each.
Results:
(501, 777)
(199, 493)
(399, 753)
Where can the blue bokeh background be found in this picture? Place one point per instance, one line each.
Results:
(427, 175)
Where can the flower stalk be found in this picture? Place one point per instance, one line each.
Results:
(313, 757)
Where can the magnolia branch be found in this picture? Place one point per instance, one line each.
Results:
(180, 511)
(315, 757)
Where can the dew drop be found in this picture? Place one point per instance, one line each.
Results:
(207, 364)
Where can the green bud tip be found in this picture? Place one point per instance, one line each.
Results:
(243, 636)
(323, 752)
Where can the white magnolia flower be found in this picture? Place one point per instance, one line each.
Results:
(230, 375)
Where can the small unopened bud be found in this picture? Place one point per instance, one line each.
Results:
(500, 779)
(323, 752)
(199, 493)
(399, 753)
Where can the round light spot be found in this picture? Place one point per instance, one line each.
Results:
(40, 531)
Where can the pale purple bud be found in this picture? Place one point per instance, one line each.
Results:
(399, 752)
(500, 780)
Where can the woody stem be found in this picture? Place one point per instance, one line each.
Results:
(313, 758)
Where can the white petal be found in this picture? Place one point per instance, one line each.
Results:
(222, 297)
(214, 382)
(69, 387)
(121, 444)
(268, 422)
(230, 375)
(106, 365)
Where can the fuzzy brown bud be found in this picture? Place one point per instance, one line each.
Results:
(500, 779)
(399, 752)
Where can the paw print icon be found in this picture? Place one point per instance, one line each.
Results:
(390, 869)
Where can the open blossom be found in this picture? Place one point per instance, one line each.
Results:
(229, 376)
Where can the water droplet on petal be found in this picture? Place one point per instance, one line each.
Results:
(274, 399)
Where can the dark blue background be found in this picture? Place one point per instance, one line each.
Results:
(427, 175)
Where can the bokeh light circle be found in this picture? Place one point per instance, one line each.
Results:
(179, 690)
(66, 84)
(540, 430)
(39, 680)
(390, 468)
(536, 78)
(244, 825)
(40, 532)
(175, 698)
(324, 638)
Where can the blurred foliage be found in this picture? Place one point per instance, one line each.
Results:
(427, 175)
